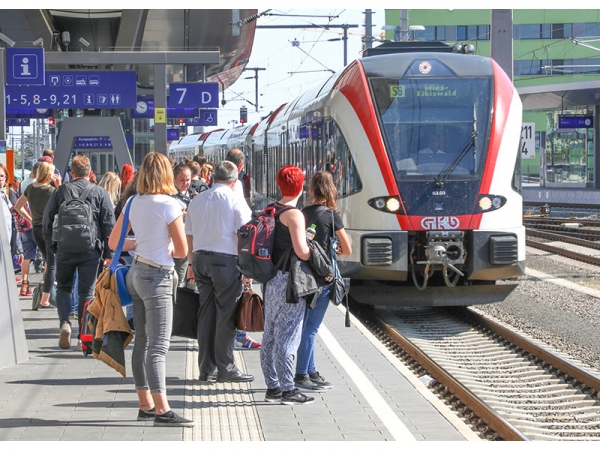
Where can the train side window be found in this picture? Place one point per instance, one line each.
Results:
(340, 162)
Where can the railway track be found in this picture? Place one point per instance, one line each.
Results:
(507, 386)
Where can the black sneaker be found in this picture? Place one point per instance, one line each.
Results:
(144, 416)
(170, 419)
(273, 395)
(319, 380)
(304, 383)
(295, 397)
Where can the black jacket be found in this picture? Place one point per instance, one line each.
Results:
(103, 213)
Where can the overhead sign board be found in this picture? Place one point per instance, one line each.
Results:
(25, 66)
(528, 140)
(28, 113)
(193, 95)
(92, 142)
(144, 109)
(206, 118)
(81, 90)
(575, 121)
(18, 122)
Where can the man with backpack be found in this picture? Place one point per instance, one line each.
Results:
(78, 220)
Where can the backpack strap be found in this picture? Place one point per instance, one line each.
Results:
(65, 192)
(86, 191)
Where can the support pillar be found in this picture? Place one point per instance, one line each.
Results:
(12, 334)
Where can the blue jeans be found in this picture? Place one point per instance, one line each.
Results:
(75, 294)
(312, 321)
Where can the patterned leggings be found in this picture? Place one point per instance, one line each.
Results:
(283, 329)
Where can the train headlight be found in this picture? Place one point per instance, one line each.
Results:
(490, 203)
(393, 205)
(388, 204)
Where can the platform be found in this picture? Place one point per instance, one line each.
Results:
(60, 395)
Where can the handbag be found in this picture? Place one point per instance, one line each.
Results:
(120, 270)
(340, 288)
(185, 313)
(251, 313)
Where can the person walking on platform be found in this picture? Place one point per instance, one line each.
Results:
(85, 260)
(323, 214)
(211, 225)
(283, 321)
(38, 195)
(156, 219)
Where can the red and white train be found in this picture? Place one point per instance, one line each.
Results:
(431, 223)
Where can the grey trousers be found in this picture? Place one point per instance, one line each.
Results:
(151, 290)
(219, 287)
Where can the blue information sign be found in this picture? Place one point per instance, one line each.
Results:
(144, 109)
(18, 122)
(25, 66)
(207, 118)
(28, 113)
(173, 134)
(575, 121)
(83, 90)
(194, 95)
(92, 142)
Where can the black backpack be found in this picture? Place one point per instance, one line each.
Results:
(255, 245)
(74, 227)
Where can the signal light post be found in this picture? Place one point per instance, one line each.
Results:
(243, 114)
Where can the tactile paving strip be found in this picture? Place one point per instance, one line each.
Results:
(222, 411)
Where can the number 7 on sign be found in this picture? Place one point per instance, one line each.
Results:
(182, 91)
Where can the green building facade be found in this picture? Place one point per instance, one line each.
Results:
(544, 53)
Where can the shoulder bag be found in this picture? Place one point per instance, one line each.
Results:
(185, 313)
(120, 270)
(341, 286)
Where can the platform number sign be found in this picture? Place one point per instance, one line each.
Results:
(527, 143)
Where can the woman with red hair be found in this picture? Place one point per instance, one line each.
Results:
(283, 321)
(126, 175)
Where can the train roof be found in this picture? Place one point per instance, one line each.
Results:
(187, 141)
(404, 64)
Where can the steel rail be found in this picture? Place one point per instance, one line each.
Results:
(562, 238)
(563, 252)
(583, 376)
(504, 429)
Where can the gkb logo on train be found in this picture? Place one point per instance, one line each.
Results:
(440, 223)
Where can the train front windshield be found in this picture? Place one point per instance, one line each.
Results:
(434, 127)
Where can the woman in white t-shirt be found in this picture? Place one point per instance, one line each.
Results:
(157, 222)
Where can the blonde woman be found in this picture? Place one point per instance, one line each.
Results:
(38, 194)
(112, 183)
(156, 219)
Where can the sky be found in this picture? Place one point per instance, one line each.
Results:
(292, 69)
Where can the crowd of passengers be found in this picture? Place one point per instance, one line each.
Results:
(182, 228)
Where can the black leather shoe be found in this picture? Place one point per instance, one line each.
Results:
(234, 377)
(208, 376)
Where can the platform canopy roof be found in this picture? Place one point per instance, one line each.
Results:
(231, 31)
(560, 95)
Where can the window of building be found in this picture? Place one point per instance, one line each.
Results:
(535, 31)
(591, 30)
(432, 34)
(473, 33)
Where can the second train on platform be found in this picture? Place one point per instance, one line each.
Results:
(424, 150)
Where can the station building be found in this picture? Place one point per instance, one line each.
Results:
(556, 69)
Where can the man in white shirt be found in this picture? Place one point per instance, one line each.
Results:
(213, 218)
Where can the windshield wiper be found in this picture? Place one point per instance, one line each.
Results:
(444, 174)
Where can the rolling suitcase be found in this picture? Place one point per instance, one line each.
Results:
(86, 335)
